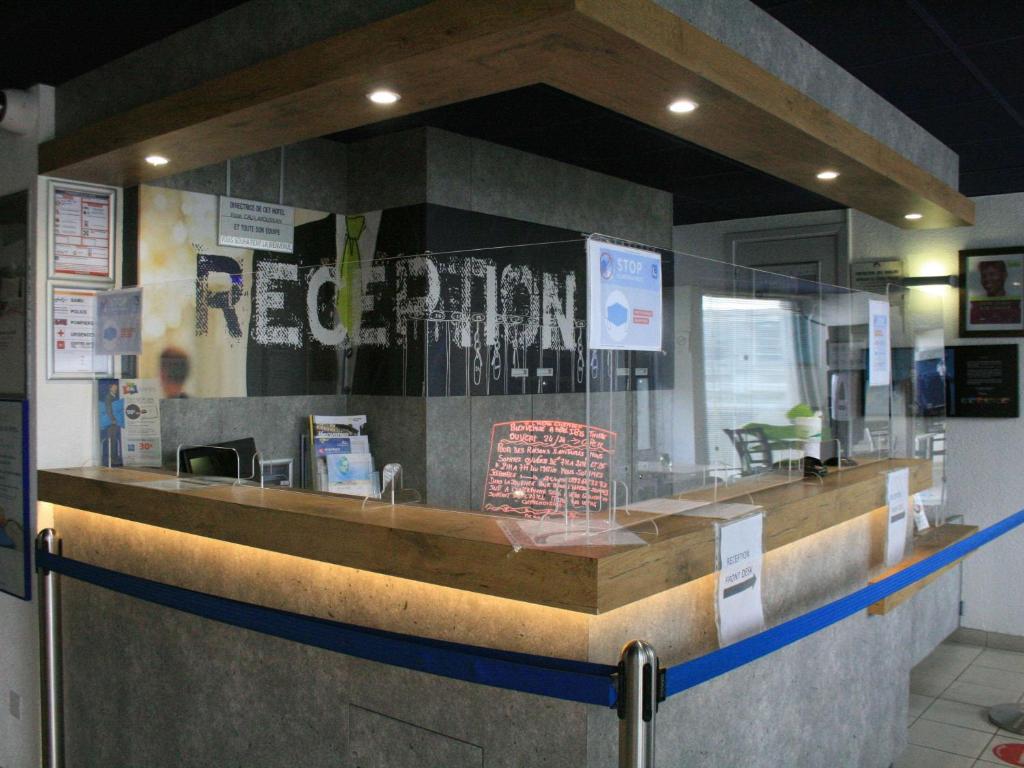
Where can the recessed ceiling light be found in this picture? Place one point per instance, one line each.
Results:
(157, 160)
(828, 175)
(913, 216)
(383, 97)
(682, 106)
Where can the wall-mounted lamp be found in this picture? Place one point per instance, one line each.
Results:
(913, 282)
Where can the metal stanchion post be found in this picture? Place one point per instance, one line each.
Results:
(1009, 717)
(50, 656)
(638, 704)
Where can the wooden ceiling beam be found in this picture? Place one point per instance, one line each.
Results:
(631, 56)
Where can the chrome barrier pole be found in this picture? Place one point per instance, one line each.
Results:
(638, 704)
(50, 655)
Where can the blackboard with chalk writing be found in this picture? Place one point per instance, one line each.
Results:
(538, 468)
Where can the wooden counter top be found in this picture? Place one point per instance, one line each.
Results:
(470, 551)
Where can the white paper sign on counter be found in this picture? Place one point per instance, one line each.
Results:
(897, 496)
(879, 355)
(740, 555)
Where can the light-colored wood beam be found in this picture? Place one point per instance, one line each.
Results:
(631, 56)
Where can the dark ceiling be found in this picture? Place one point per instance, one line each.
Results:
(954, 66)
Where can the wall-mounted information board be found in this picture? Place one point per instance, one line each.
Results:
(982, 381)
(15, 530)
(545, 467)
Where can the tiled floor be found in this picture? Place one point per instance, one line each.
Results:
(950, 693)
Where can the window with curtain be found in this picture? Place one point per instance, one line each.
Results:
(751, 367)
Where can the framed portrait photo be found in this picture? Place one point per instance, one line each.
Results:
(992, 292)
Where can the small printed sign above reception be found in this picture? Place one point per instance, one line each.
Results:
(624, 294)
(256, 225)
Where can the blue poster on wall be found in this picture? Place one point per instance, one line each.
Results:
(624, 297)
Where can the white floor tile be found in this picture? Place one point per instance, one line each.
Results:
(948, 738)
(922, 757)
(958, 651)
(919, 704)
(988, 757)
(1008, 660)
(958, 713)
(982, 695)
(994, 678)
(931, 684)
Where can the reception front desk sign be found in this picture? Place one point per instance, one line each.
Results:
(740, 556)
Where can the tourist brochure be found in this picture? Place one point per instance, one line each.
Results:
(340, 452)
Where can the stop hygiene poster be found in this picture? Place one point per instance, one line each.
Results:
(624, 297)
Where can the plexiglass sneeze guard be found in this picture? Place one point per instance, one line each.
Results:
(578, 390)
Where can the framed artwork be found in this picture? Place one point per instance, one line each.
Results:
(992, 292)
(81, 228)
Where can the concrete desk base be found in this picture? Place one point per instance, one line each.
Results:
(148, 686)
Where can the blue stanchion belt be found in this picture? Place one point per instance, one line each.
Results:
(692, 673)
(556, 678)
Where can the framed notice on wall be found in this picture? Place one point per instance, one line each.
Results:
(982, 381)
(992, 292)
(70, 330)
(81, 228)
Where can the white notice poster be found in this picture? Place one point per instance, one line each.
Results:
(81, 231)
(879, 363)
(119, 322)
(624, 297)
(897, 496)
(72, 324)
(140, 438)
(740, 610)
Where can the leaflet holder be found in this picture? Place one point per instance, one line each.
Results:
(392, 483)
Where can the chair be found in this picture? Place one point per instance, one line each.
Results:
(754, 450)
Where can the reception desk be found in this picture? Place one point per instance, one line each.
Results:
(226, 696)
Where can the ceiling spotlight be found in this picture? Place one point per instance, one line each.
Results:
(682, 106)
(383, 97)
(913, 216)
(157, 160)
(828, 175)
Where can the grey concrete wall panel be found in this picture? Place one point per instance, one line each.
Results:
(507, 182)
(449, 169)
(150, 686)
(209, 180)
(315, 176)
(388, 171)
(397, 428)
(274, 422)
(378, 741)
(772, 46)
(245, 35)
(935, 616)
(448, 440)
